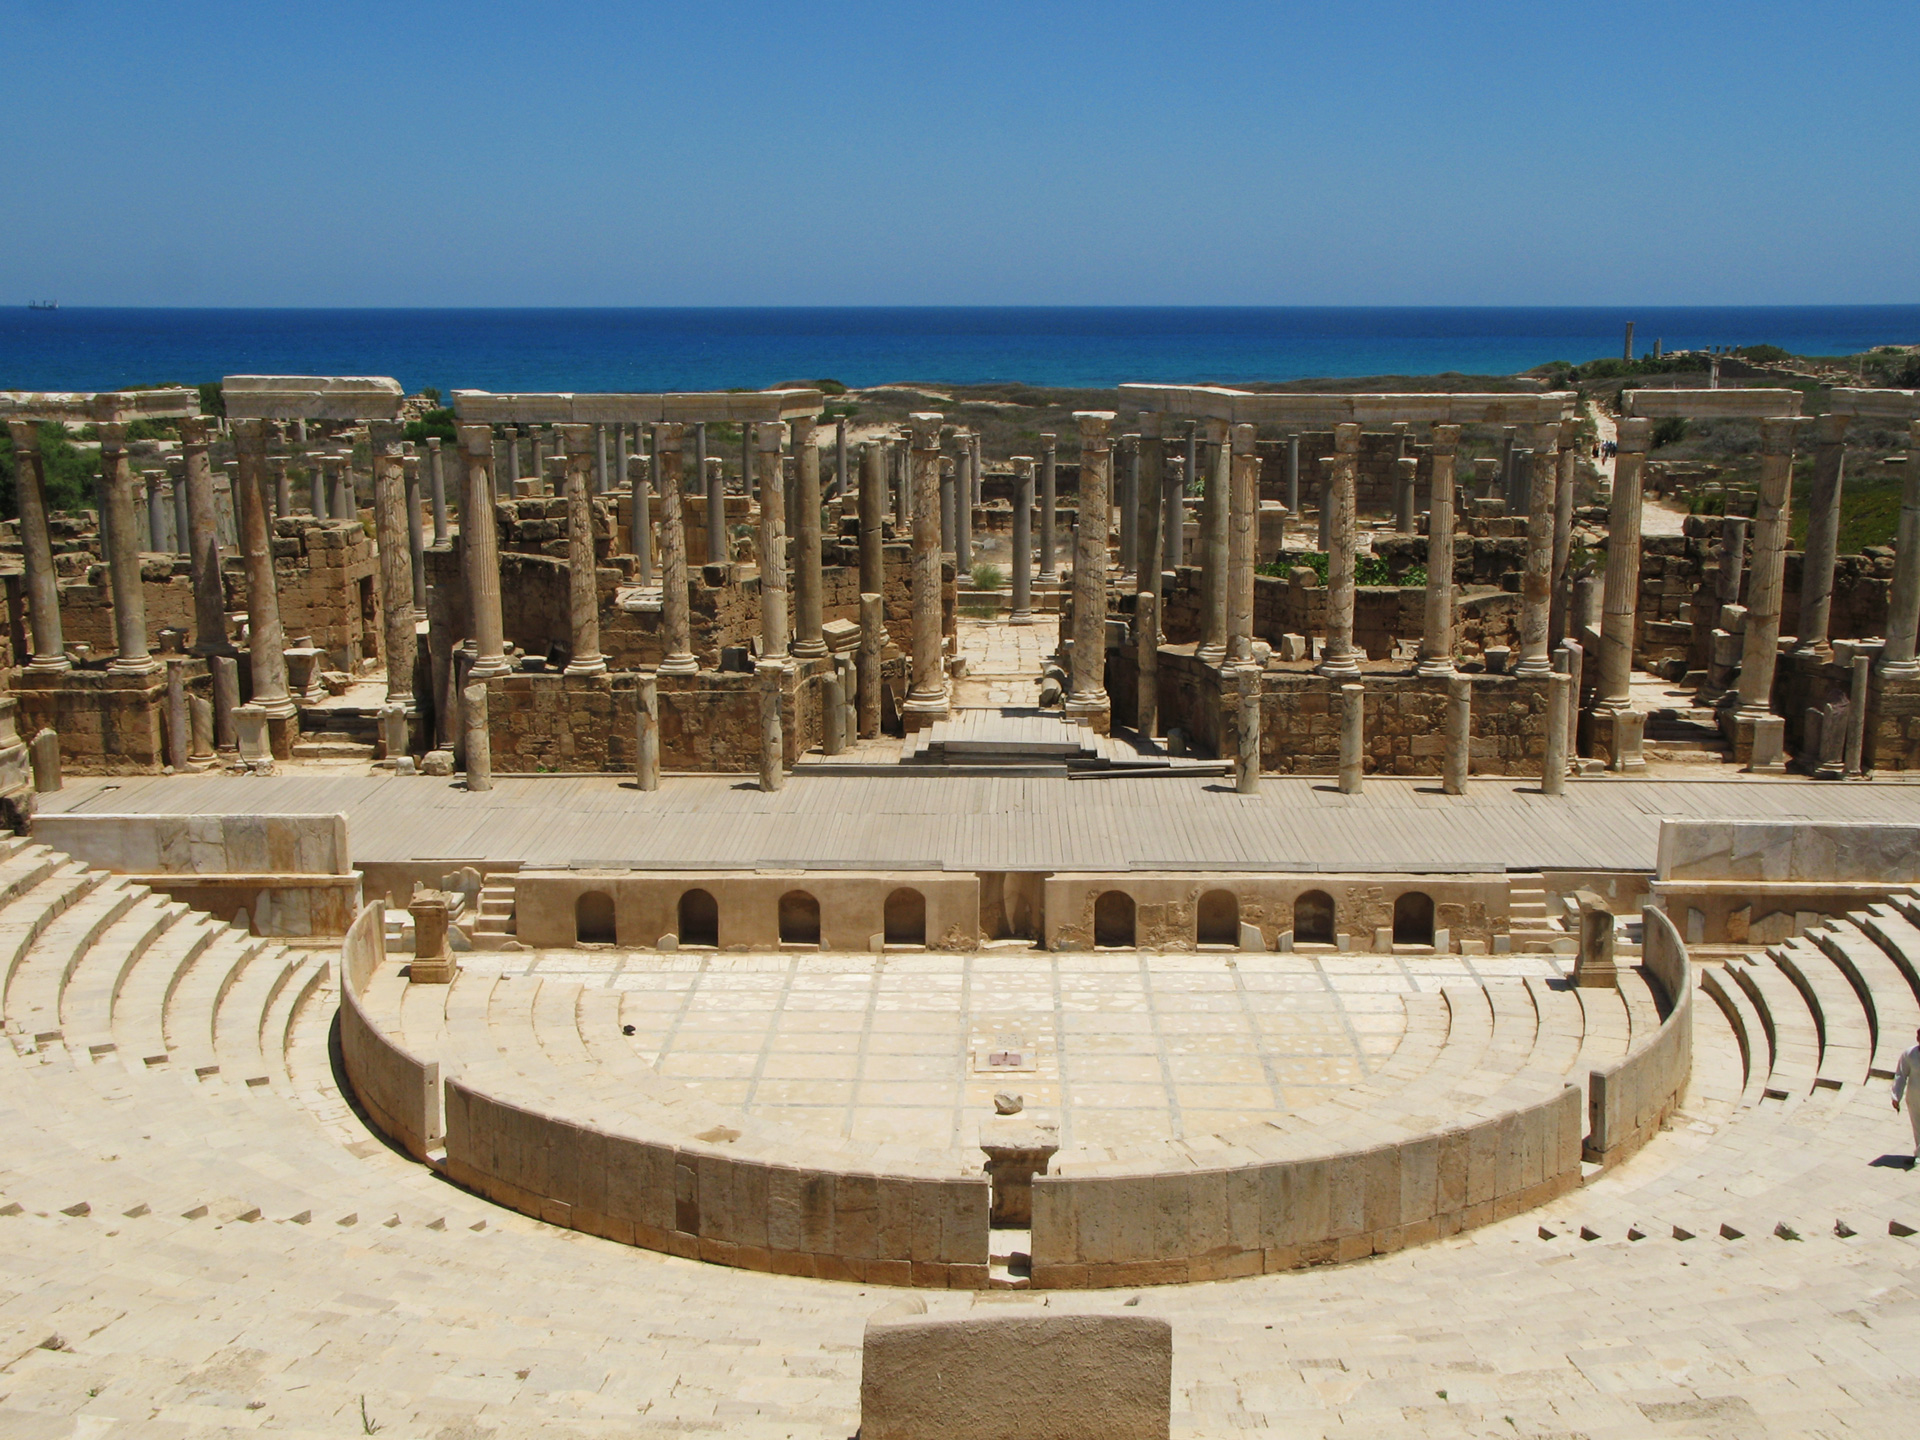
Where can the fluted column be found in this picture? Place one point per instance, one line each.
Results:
(396, 558)
(676, 610)
(481, 555)
(1618, 621)
(43, 583)
(1087, 700)
(927, 701)
(437, 481)
(123, 556)
(266, 640)
(1823, 536)
(1153, 474)
(1536, 579)
(1337, 659)
(1214, 506)
(873, 509)
(583, 589)
(1049, 512)
(768, 435)
(1903, 600)
(1770, 521)
(317, 486)
(1022, 540)
(1436, 636)
(1243, 505)
(808, 640)
(1562, 596)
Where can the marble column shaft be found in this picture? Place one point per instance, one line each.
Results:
(1553, 767)
(929, 692)
(1088, 695)
(480, 545)
(1293, 474)
(1146, 640)
(676, 606)
(948, 539)
(416, 534)
(1049, 512)
(1130, 509)
(1436, 636)
(1353, 736)
(775, 636)
(873, 641)
(1565, 462)
(1406, 491)
(1152, 480)
(1823, 536)
(156, 513)
(1173, 518)
(1536, 577)
(1617, 621)
(1022, 540)
(396, 558)
(1246, 767)
(1772, 515)
(599, 459)
(473, 707)
(1243, 506)
(640, 528)
(266, 640)
(203, 542)
(123, 556)
(714, 480)
(1337, 658)
(1214, 507)
(808, 639)
(1457, 758)
(182, 531)
(963, 514)
(583, 587)
(873, 506)
(317, 486)
(43, 582)
(1903, 599)
(772, 741)
(437, 483)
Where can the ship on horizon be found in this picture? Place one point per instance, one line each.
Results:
(43, 304)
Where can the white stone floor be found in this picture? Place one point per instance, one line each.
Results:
(1115, 1048)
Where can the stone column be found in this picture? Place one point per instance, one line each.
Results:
(1146, 639)
(640, 531)
(1293, 474)
(1536, 580)
(179, 727)
(676, 607)
(1243, 518)
(948, 538)
(437, 480)
(772, 743)
(1823, 536)
(345, 505)
(480, 547)
(123, 556)
(1553, 772)
(1353, 736)
(513, 460)
(963, 514)
(1338, 659)
(808, 641)
(282, 494)
(1903, 600)
(396, 559)
(1565, 461)
(1152, 479)
(775, 637)
(43, 583)
(1406, 490)
(1613, 701)
(266, 640)
(317, 485)
(1049, 512)
(473, 707)
(715, 483)
(901, 461)
(1770, 539)
(1458, 757)
(873, 640)
(1173, 519)
(1246, 681)
(1214, 506)
(646, 732)
(927, 701)
(1087, 700)
(623, 451)
(1129, 510)
(1436, 636)
(748, 486)
(182, 545)
(873, 512)
(599, 459)
(839, 457)
(156, 513)
(1022, 541)
(539, 476)
(583, 588)
(44, 755)
(416, 533)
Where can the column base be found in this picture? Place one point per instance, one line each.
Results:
(1618, 737)
(487, 669)
(809, 649)
(924, 709)
(678, 665)
(145, 665)
(51, 665)
(1900, 669)
(1211, 654)
(1534, 667)
(597, 665)
(1342, 669)
(1095, 711)
(1047, 577)
(1020, 617)
(1440, 669)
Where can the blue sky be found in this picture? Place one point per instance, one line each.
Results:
(1120, 153)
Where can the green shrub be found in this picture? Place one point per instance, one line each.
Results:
(434, 422)
(987, 577)
(1763, 354)
(1670, 431)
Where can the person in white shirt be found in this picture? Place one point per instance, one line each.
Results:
(1906, 1084)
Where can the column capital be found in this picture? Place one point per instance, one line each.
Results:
(113, 435)
(1407, 464)
(1346, 437)
(769, 436)
(1023, 466)
(477, 440)
(195, 430)
(1214, 432)
(433, 443)
(1446, 439)
(1245, 440)
(1095, 429)
(26, 435)
(925, 429)
(577, 438)
(1048, 442)
(639, 467)
(668, 434)
(1634, 435)
(1546, 437)
(803, 428)
(383, 437)
(1778, 433)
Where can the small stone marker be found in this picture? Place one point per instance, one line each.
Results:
(433, 962)
(1594, 969)
(46, 762)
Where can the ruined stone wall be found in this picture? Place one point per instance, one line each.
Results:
(328, 576)
(1376, 478)
(1382, 614)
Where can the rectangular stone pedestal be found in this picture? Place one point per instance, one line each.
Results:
(108, 724)
(1759, 741)
(1617, 737)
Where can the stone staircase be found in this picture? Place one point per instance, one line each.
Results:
(1685, 735)
(1532, 928)
(1020, 741)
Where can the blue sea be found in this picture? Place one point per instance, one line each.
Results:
(715, 349)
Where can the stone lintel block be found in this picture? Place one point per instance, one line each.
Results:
(563, 408)
(311, 397)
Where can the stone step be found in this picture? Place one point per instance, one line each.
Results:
(331, 750)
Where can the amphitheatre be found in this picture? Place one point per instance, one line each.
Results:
(650, 914)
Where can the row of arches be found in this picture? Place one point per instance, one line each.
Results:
(904, 919)
(1217, 919)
